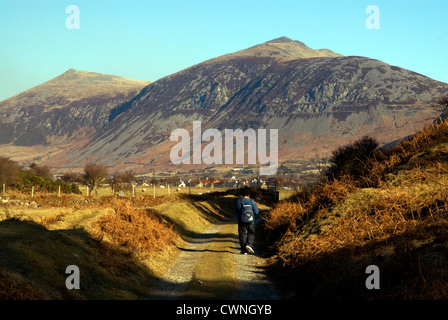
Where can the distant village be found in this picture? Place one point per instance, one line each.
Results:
(232, 182)
(288, 178)
(294, 176)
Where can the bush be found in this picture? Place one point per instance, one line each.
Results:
(351, 160)
(27, 180)
(143, 231)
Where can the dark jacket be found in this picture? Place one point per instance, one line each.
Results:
(243, 201)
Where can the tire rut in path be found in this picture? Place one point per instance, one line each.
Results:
(250, 274)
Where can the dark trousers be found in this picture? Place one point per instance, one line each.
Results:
(246, 234)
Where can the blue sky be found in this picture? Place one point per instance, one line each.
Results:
(147, 40)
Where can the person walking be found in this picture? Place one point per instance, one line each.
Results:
(246, 210)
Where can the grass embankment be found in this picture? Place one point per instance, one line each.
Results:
(394, 216)
(122, 245)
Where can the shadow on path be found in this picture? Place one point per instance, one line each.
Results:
(250, 275)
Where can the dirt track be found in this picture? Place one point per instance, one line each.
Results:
(245, 279)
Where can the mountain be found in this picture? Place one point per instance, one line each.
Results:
(68, 108)
(61, 114)
(317, 99)
(282, 48)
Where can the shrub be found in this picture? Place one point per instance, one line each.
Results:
(351, 159)
(142, 231)
(27, 180)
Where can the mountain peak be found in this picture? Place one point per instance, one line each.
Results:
(286, 40)
(280, 40)
(69, 72)
(70, 75)
(281, 49)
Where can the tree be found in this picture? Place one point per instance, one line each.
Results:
(9, 171)
(172, 180)
(94, 174)
(42, 171)
(72, 177)
(320, 164)
(441, 104)
(121, 180)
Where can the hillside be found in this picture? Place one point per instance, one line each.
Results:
(63, 111)
(393, 216)
(317, 100)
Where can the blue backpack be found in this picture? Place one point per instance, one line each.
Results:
(247, 216)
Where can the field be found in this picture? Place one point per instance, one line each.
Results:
(122, 244)
(158, 191)
(151, 191)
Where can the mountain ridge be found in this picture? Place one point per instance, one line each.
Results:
(317, 99)
(60, 106)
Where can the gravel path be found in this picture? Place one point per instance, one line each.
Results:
(251, 276)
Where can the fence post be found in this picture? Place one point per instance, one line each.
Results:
(32, 192)
(154, 191)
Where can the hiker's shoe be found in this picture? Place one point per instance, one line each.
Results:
(243, 252)
(249, 249)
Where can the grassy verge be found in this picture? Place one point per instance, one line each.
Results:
(121, 245)
(38, 257)
(192, 217)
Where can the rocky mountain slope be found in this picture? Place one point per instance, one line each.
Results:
(317, 99)
(63, 105)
